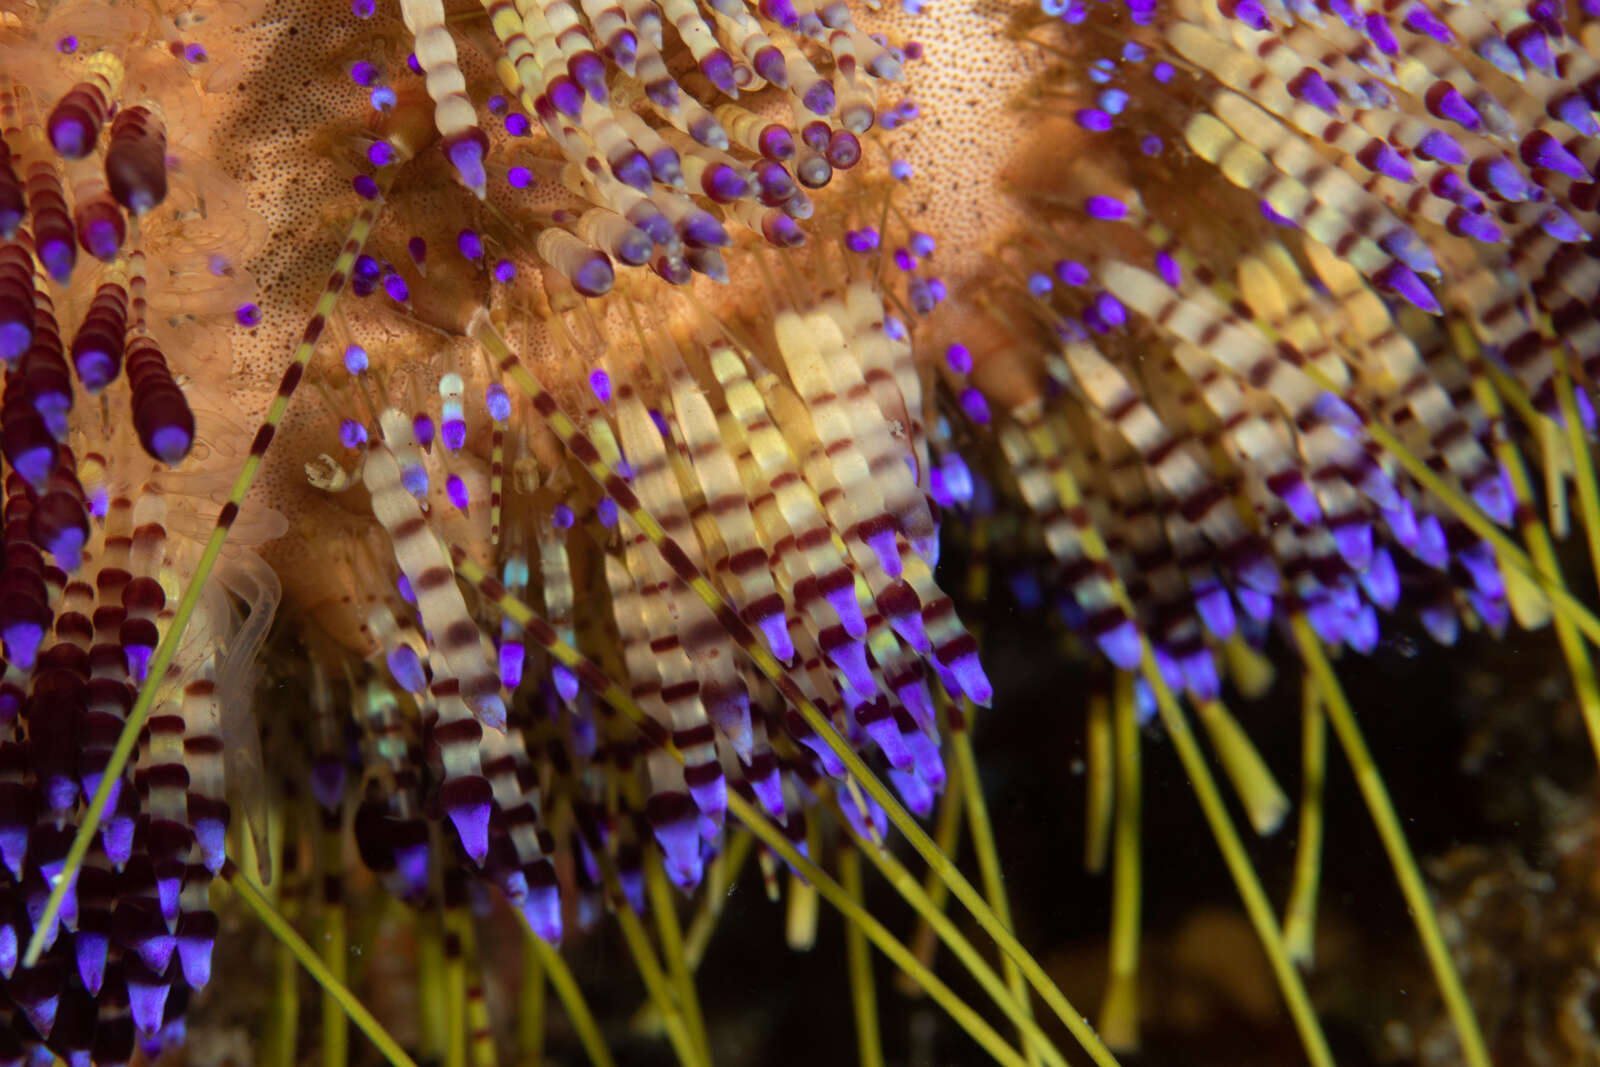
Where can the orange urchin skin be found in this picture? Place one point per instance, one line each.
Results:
(275, 114)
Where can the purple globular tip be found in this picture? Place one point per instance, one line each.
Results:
(1200, 676)
(466, 156)
(1071, 272)
(396, 287)
(58, 258)
(470, 245)
(1271, 214)
(957, 477)
(1163, 72)
(423, 429)
(1402, 280)
(364, 73)
(1151, 145)
(633, 169)
(895, 328)
(566, 682)
(363, 9)
(886, 735)
(71, 135)
(1540, 149)
(680, 850)
(498, 104)
(1169, 270)
(861, 241)
(1381, 35)
(717, 66)
(566, 97)
(406, 669)
(1439, 619)
(1574, 110)
(90, 949)
(1381, 581)
(380, 153)
(1443, 101)
(519, 177)
(1438, 146)
(247, 315)
(721, 182)
(595, 275)
(1354, 541)
(1121, 645)
(844, 149)
(1328, 619)
(959, 358)
(517, 125)
(498, 401)
(1134, 52)
(1431, 547)
(1092, 119)
(365, 187)
(471, 821)
(542, 909)
(456, 490)
(1312, 88)
(453, 432)
(352, 433)
(411, 62)
(976, 407)
(606, 512)
(1108, 208)
(1533, 46)
(904, 260)
(819, 99)
(1252, 14)
(700, 229)
(194, 957)
(1215, 609)
(600, 384)
(1379, 157)
(1039, 285)
(1422, 21)
(67, 45)
(1113, 101)
(562, 518)
(355, 359)
(511, 656)
(15, 337)
(382, 98)
(900, 170)
(1110, 310)
(414, 478)
(1479, 561)
(1297, 496)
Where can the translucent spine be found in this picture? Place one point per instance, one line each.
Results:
(745, 565)
(720, 691)
(427, 568)
(670, 808)
(464, 143)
